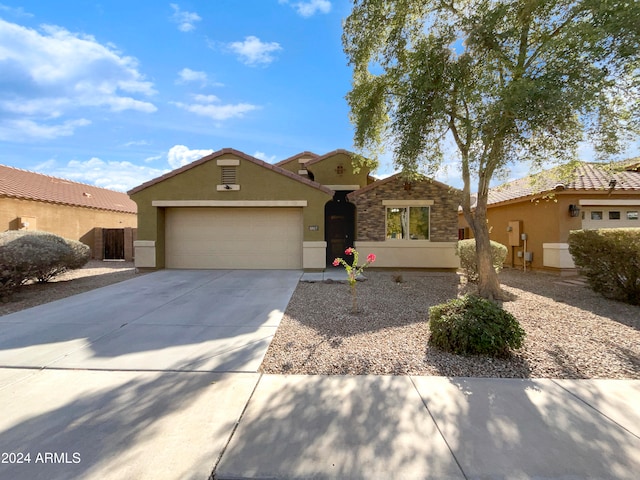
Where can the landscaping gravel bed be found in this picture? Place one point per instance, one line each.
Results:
(94, 274)
(572, 332)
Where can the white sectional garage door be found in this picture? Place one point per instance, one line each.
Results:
(246, 238)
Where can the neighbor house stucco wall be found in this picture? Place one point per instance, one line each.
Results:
(547, 223)
(73, 222)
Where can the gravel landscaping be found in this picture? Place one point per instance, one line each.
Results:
(94, 274)
(572, 332)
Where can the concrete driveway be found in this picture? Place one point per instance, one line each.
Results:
(120, 381)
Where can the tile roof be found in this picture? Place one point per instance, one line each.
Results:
(330, 154)
(17, 183)
(393, 178)
(586, 176)
(237, 153)
(296, 157)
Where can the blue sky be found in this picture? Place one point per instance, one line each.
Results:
(115, 93)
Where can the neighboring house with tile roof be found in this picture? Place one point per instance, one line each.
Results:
(103, 219)
(547, 206)
(231, 210)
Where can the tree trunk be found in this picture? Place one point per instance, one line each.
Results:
(488, 284)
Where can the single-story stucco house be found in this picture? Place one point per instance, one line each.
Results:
(533, 216)
(103, 219)
(231, 210)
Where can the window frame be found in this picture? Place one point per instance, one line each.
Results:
(406, 226)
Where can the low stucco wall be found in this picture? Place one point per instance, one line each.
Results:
(416, 254)
(556, 255)
(314, 255)
(145, 253)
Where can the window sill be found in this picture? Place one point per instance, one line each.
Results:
(228, 188)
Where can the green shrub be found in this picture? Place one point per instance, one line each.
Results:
(466, 250)
(27, 255)
(610, 259)
(472, 325)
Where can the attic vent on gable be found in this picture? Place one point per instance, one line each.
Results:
(228, 175)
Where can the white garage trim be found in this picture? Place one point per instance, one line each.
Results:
(229, 203)
(227, 238)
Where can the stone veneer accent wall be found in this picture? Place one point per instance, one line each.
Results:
(370, 213)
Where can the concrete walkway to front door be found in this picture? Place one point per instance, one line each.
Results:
(142, 379)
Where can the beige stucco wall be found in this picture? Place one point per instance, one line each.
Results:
(256, 183)
(326, 171)
(76, 223)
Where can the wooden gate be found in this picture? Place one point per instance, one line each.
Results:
(113, 241)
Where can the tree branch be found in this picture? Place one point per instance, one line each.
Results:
(545, 41)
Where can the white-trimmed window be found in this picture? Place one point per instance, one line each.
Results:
(408, 222)
(632, 214)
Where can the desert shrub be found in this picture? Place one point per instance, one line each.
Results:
(78, 256)
(472, 325)
(27, 255)
(610, 259)
(466, 250)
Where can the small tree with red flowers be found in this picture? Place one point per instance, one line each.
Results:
(353, 271)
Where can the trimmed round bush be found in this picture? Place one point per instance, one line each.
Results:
(466, 250)
(27, 255)
(610, 259)
(474, 326)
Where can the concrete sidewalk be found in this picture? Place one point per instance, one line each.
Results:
(373, 427)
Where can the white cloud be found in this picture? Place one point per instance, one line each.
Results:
(187, 75)
(16, 11)
(185, 20)
(309, 8)
(121, 176)
(264, 157)
(25, 129)
(206, 98)
(136, 143)
(51, 73)
(210, 106)
(180, 155)
(252, 51)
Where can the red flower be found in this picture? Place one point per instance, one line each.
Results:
(349, 251)
(336, 262)
(371, 258)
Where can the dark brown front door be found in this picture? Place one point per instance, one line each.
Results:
(113, 239)
(339, 217)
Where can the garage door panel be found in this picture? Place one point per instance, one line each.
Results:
(251, 238)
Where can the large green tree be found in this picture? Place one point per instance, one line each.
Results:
(506, 81)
